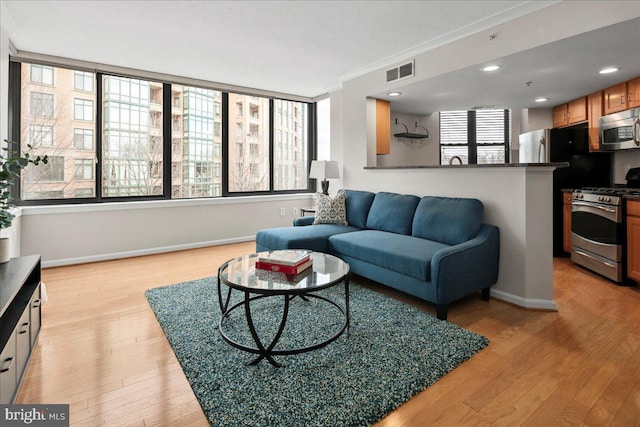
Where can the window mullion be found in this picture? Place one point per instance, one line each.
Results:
(472, 138)
(225, 143)
(98, 137)
(167, 137)
(271, 146)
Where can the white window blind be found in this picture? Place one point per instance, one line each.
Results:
(486, 143)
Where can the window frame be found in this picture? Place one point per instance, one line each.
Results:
(14, 132)
(472, 142)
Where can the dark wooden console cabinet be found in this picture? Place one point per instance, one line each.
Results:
(20, 322)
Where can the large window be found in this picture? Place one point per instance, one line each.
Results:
(196, 153)
(291, 152)
(58, 130)
(248, 156)
(475, 137)
(131, 137)
(122, 137)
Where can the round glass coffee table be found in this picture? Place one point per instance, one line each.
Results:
(240, 274)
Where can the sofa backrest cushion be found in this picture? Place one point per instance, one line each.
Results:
(447, 220)
(358, 204)
(392, 212)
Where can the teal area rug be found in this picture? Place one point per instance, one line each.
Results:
(392, 352)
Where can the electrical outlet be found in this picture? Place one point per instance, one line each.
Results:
(296, 211)
(282, 211)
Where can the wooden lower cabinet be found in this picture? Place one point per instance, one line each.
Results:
(633, 239)
(566, 222)
(20, 320)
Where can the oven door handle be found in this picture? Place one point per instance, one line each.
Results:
(594, 206)
(608, 264)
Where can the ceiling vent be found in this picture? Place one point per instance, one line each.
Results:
(400, 72)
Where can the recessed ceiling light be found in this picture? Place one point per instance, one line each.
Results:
(541, 100)
(491, 68)
(394, 93)
(609, 70)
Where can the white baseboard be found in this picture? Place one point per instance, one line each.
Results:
(533, 303)
(142, 252)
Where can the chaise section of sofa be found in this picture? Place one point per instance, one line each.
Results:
(434, 248)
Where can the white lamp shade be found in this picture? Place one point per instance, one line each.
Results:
(324, 169)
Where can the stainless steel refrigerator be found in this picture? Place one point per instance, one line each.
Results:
(534, 146)
(570, 145)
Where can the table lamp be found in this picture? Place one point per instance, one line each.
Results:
(324, 170)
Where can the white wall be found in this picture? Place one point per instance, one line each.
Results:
(413, 152)
(84, 233)
(14, 231)
(518, 202)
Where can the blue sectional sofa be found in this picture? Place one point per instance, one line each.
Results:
(434, 248)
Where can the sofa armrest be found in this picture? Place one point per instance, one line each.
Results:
(461, 269)
(303, 220)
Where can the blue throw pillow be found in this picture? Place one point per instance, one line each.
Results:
(358, 204)
(447, 220)
(392, 212)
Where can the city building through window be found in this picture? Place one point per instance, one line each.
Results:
(109, 138)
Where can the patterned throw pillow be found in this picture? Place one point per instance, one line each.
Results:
(331, 210)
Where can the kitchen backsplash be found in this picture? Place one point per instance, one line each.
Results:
(622, 161)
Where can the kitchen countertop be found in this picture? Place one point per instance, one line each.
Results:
(502, 165)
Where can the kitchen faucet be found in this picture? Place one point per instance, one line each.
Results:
(453, 158)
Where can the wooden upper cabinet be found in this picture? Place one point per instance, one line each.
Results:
(615, 98)
(570, 113)
(633, 92)
(560, 116)
(594, 106)
(383, 126)
(577, 110)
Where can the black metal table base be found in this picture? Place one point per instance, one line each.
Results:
(268, 351)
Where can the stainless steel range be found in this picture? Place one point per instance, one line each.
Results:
(598, 230)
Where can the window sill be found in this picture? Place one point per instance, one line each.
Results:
(154, 204)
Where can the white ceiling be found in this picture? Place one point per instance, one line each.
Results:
(561, 71)
(303, 48)
(306, 48)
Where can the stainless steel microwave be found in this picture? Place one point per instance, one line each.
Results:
(620, 131)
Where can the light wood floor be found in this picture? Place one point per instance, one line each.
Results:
(102, 351)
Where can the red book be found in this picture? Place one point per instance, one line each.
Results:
(286, 269)
(288, 257)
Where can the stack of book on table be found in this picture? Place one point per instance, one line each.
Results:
(289, 262)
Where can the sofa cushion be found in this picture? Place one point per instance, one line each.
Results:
(447, 220)
(331, 210)
(313, 237)
(392, 212)
(400, 253)
(358, 204)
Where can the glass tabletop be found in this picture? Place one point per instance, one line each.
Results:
(241, 273)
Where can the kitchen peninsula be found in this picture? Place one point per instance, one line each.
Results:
(517, 198)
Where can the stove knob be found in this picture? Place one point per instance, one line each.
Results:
(608, 199)
(600, 198)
